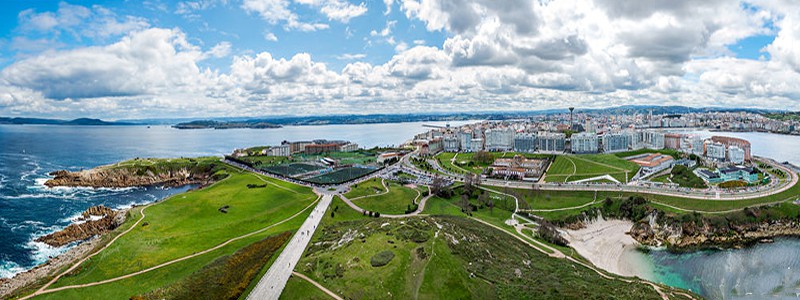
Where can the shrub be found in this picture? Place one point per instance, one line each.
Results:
(226, 277)
(381, 259)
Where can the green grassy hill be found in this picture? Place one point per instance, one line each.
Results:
(186, 224)
(446, 257)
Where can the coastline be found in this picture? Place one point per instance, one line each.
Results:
(55, 263)
(607, 245)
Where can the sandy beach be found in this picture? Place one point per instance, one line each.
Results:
(606, 244)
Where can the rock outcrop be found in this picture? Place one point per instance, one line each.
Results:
(96, 220)
(694, 235)
(126, 177)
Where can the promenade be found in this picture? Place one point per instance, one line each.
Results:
(271, 285)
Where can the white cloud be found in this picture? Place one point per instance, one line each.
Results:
(351, 56)
(219, 50)
(80, 21)
(277, 11)
(388, 4)
(270, 37)
(400, 47)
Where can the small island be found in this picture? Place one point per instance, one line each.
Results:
(210, 124)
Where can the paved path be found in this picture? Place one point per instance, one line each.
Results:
(271, 285)
(319, 286)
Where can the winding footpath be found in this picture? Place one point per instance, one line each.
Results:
(271, 285)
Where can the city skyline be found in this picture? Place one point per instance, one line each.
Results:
(220, 58)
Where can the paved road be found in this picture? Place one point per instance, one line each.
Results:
(701, 194)
(272, 283)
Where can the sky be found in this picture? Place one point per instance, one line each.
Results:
(214, 58)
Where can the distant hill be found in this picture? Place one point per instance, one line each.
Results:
(80, 121)
(208, 124)
(277, 121)
(432, 117)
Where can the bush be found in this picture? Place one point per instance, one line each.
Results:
(381, 259)
(226, 277)
(732, 184)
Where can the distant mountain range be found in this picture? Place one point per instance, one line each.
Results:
(80, 121)
(277, 121)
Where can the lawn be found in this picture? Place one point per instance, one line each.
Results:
(463, 161)
(191, 222)
(671, 152)
(263, 161)
(365, 188)
(568, 168)
(395, 202)
(300, 289)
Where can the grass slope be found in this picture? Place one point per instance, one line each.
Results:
(448, 258)
(191, 222)
(396, 201)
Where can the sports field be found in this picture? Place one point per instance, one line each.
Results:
(568, 168)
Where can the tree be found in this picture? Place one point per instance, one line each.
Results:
(439, 187)
(465, 203)
(483, 157)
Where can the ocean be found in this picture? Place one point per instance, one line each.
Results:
(28, 153)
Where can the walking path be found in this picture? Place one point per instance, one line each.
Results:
(271, 285)
(319, 286)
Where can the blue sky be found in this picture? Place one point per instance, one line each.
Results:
(155, 58)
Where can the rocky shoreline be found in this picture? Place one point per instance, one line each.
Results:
(122, 178)
(96, 220)
(89, 228)
(691, 236)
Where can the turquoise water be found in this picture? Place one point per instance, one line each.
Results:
(758, 272)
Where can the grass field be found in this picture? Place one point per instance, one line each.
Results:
(671, 152)
(567, 168)
(462, 163)
(341, 175)
(395, 202)
(300, 289)
(185, 224)
(365, 188)
(447, 257)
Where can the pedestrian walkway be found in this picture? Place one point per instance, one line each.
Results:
(272, 283)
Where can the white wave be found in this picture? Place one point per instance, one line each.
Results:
(9, 268)
(42, 252)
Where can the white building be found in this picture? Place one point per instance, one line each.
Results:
(282, 150)
(465, 140)
(715, 151)
(525, 142)
(451, 144)
(501, 139)
(698, 145)
(584, 142)
(476, 145)
(653, 140)
(348, 147)
(616, 142)
(551, 142)
(736, 155)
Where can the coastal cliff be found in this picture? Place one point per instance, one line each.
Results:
(141, 172)
(661, 230)
(96, 220)
(691, 231)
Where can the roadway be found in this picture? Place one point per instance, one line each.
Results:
(271, 285)
(636, 187)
